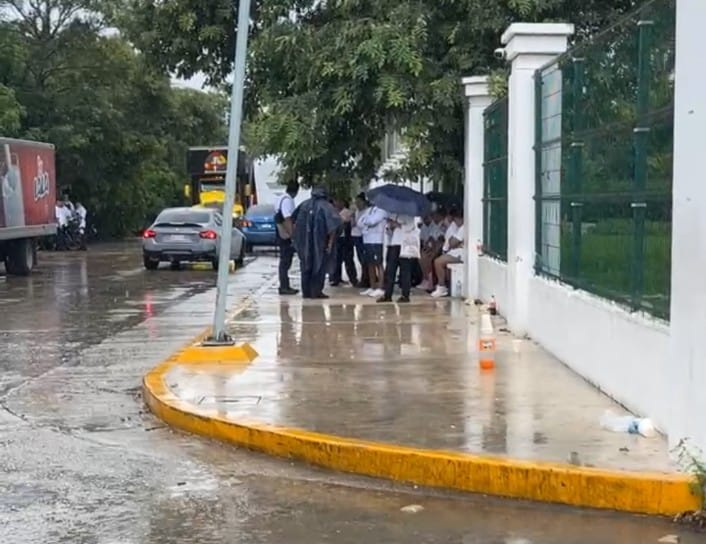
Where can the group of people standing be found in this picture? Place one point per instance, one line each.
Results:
(328, 235)
(66, 215)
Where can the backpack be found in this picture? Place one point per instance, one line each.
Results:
(279, 221)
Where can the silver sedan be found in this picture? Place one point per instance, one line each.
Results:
(188, 235)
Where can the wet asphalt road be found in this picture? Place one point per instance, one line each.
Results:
(81, 462)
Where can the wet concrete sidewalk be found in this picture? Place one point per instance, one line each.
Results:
(409, 375)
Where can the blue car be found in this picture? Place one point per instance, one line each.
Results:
(258, 226)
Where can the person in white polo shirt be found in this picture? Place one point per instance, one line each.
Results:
(284, 209)
(452, 252)
(372, 223)
(361, 204)
(403, 246)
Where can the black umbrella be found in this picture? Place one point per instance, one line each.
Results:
(399, 199)
(445, 200)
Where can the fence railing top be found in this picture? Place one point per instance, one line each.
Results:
(595, 39)
(496, 105)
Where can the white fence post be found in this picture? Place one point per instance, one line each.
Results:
(528, 46)
(477, 99)
(685, 380)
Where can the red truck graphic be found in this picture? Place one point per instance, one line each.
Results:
(27, 201)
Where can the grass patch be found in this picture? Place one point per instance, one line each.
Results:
(605, 263)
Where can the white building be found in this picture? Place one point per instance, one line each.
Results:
(394, 152)
(268, 187)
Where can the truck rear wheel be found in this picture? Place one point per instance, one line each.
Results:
(20, 257)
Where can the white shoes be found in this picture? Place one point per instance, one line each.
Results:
(373, 293)
(440, 292)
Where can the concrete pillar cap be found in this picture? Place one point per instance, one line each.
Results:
(538, 39)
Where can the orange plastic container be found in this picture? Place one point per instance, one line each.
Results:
(486, 353)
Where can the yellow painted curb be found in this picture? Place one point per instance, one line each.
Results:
(645, 493)
(216, 354)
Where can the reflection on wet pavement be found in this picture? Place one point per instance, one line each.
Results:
(47, 318)
(82, 463)
(408, 374)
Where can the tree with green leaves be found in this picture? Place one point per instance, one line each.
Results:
(121, 130)
(326, 79)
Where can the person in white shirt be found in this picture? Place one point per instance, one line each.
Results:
(284, 209)
(402, 229)
(452, 252)
(372, 223)
(357, 236)
(81, 213)
(68, 204)
(62, 215)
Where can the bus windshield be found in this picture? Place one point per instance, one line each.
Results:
(208, 187)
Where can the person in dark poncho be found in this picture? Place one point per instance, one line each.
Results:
(315, 226)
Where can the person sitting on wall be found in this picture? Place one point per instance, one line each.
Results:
(452, 252)
(432, 240)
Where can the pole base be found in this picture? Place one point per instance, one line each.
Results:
(217, 353)
(212, 341)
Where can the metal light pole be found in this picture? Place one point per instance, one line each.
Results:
(236, 115)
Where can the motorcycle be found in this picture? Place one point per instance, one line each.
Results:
(72, 237)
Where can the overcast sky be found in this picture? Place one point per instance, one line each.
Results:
(196, 82)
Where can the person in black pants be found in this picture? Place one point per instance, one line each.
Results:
(284, 210)
(392, 263)
(357, 240)
(315, 226)
(343, 250)
(395, 262)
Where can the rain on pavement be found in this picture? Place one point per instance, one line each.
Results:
(82, 462)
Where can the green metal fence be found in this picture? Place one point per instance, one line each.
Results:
(604, 135)
(495, 180)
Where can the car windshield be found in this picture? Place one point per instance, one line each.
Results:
(261, 210)
(183, 217)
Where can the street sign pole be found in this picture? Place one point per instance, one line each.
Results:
(236, 115)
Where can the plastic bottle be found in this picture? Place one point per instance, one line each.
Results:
(486, 343)
(627, 424)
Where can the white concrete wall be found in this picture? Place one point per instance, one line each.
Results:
(493, 281)
(478, 98)
(685, 373)
(656, 369)
(528, 47)
(622, 353)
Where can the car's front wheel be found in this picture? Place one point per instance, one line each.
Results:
(150, 264)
